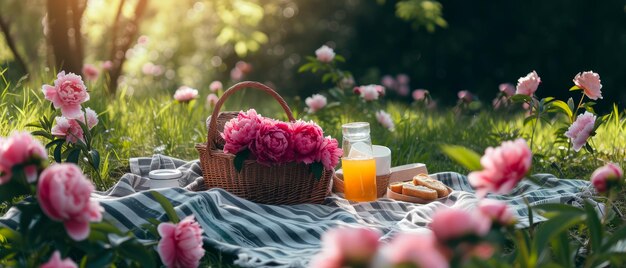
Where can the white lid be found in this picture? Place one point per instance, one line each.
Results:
(165, 174)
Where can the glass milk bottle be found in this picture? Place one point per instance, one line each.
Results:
(358, 164)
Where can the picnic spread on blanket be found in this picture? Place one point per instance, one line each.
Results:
(272, 210)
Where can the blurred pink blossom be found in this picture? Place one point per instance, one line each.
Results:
(347, 247)
(55, 261)
(369, 92)
(420, 94)
(403, 79)
(68, 93)
(581, 130)
(90, 72)
(603, 177)
(385, 119)
(18, 149)
(107, 65)
(507, 88)
(417, 249)
(315, 102)
(244, 67)
(498, 211)
(388, 82)
(236, 74)
(325, 54)
(590, 83)
(212, 99)
(215, 86)
(404, 90)
(143, 40)
(503, 168)
(528, 84)
(453, 223)
(180, 244)
(185, 94)
(465, 96)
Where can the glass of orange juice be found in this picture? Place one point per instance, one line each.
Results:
(358, 164)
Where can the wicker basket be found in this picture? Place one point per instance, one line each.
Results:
(279, 184)
(382, 182)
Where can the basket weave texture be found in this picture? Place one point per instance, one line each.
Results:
(278, 184)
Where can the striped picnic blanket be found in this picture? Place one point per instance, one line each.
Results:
(288, 236)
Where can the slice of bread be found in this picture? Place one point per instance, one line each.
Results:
(396, 187)
(419, 191)
(426, 181)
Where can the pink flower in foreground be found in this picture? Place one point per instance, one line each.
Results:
(90, 72)
(273, 144)
(507, 88)
(67, 94)
(528, 84)
(451, 224)
(581, 130)
(107, 65)
(240, 132)
(55, 261)
(603, 177)
(388, 82)
(369, 92)
(215, 86)
(212, 99)
(315, 102)
(465, 96)
(328, 153)
(20, 148)
(503, 168)
(415, 250)
(306, 138)
(347, 247)
(64, 195)
(385, 119)
(185, 94)
(590, 83)
(498, 211)
(181, 244)
(325, 54)
(420, 94)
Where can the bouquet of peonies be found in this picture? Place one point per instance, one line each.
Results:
(252, 136)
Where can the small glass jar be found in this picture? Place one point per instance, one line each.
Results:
(164, 178)
(358, 163)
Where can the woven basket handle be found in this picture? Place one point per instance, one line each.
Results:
(237, 87)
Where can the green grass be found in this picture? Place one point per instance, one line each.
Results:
(151, 122)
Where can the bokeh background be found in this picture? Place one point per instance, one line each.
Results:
(444, 46)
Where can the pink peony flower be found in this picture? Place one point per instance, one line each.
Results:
(64, 195)
(212, 99)
(68, 93)
(420, 94)
(215, 86)
(385, 119)
(185, 94)
(92, 118)
(388, 82)
(451, 224)
(528, 84)
(497, 211)
(507, 88)
(55, 261)
(415, 250)
(590, 83)
(603, 177)
(315, 102)
(240, 132)
(328, 153)
(347, 247)
(403, 79)
(21, 148)
(306, 138)
(107, 65)
(272, 145)
(369, 92)
(503, 167)
(325, 54)
(90, 72)
(581, 130)
(465, 96)
(68, 128)
(181, 244)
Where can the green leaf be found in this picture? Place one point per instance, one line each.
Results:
(42, 133)
(595, 227)
(327, 77)
(588, 147)
(562, 106)
(95, 159)
(12, 236)
(317, 168)
(571, 105)
(306, 67)
(340, 58)
(530, 120)
(614, 238)
(73, 156)
(134, 250)
(559, 208)
(562, 250)
(463, 156)
(167, 206)
(521, 98)
(105, 227)
(102, 259)
(54, 142)
(86, 132)
(574, 88)
(240, 158)
(57, 153)
(554, 227)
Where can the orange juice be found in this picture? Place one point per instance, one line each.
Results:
(359, 178)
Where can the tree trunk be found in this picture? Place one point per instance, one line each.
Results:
(4, 27)
(119, 47)
(66, 56)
